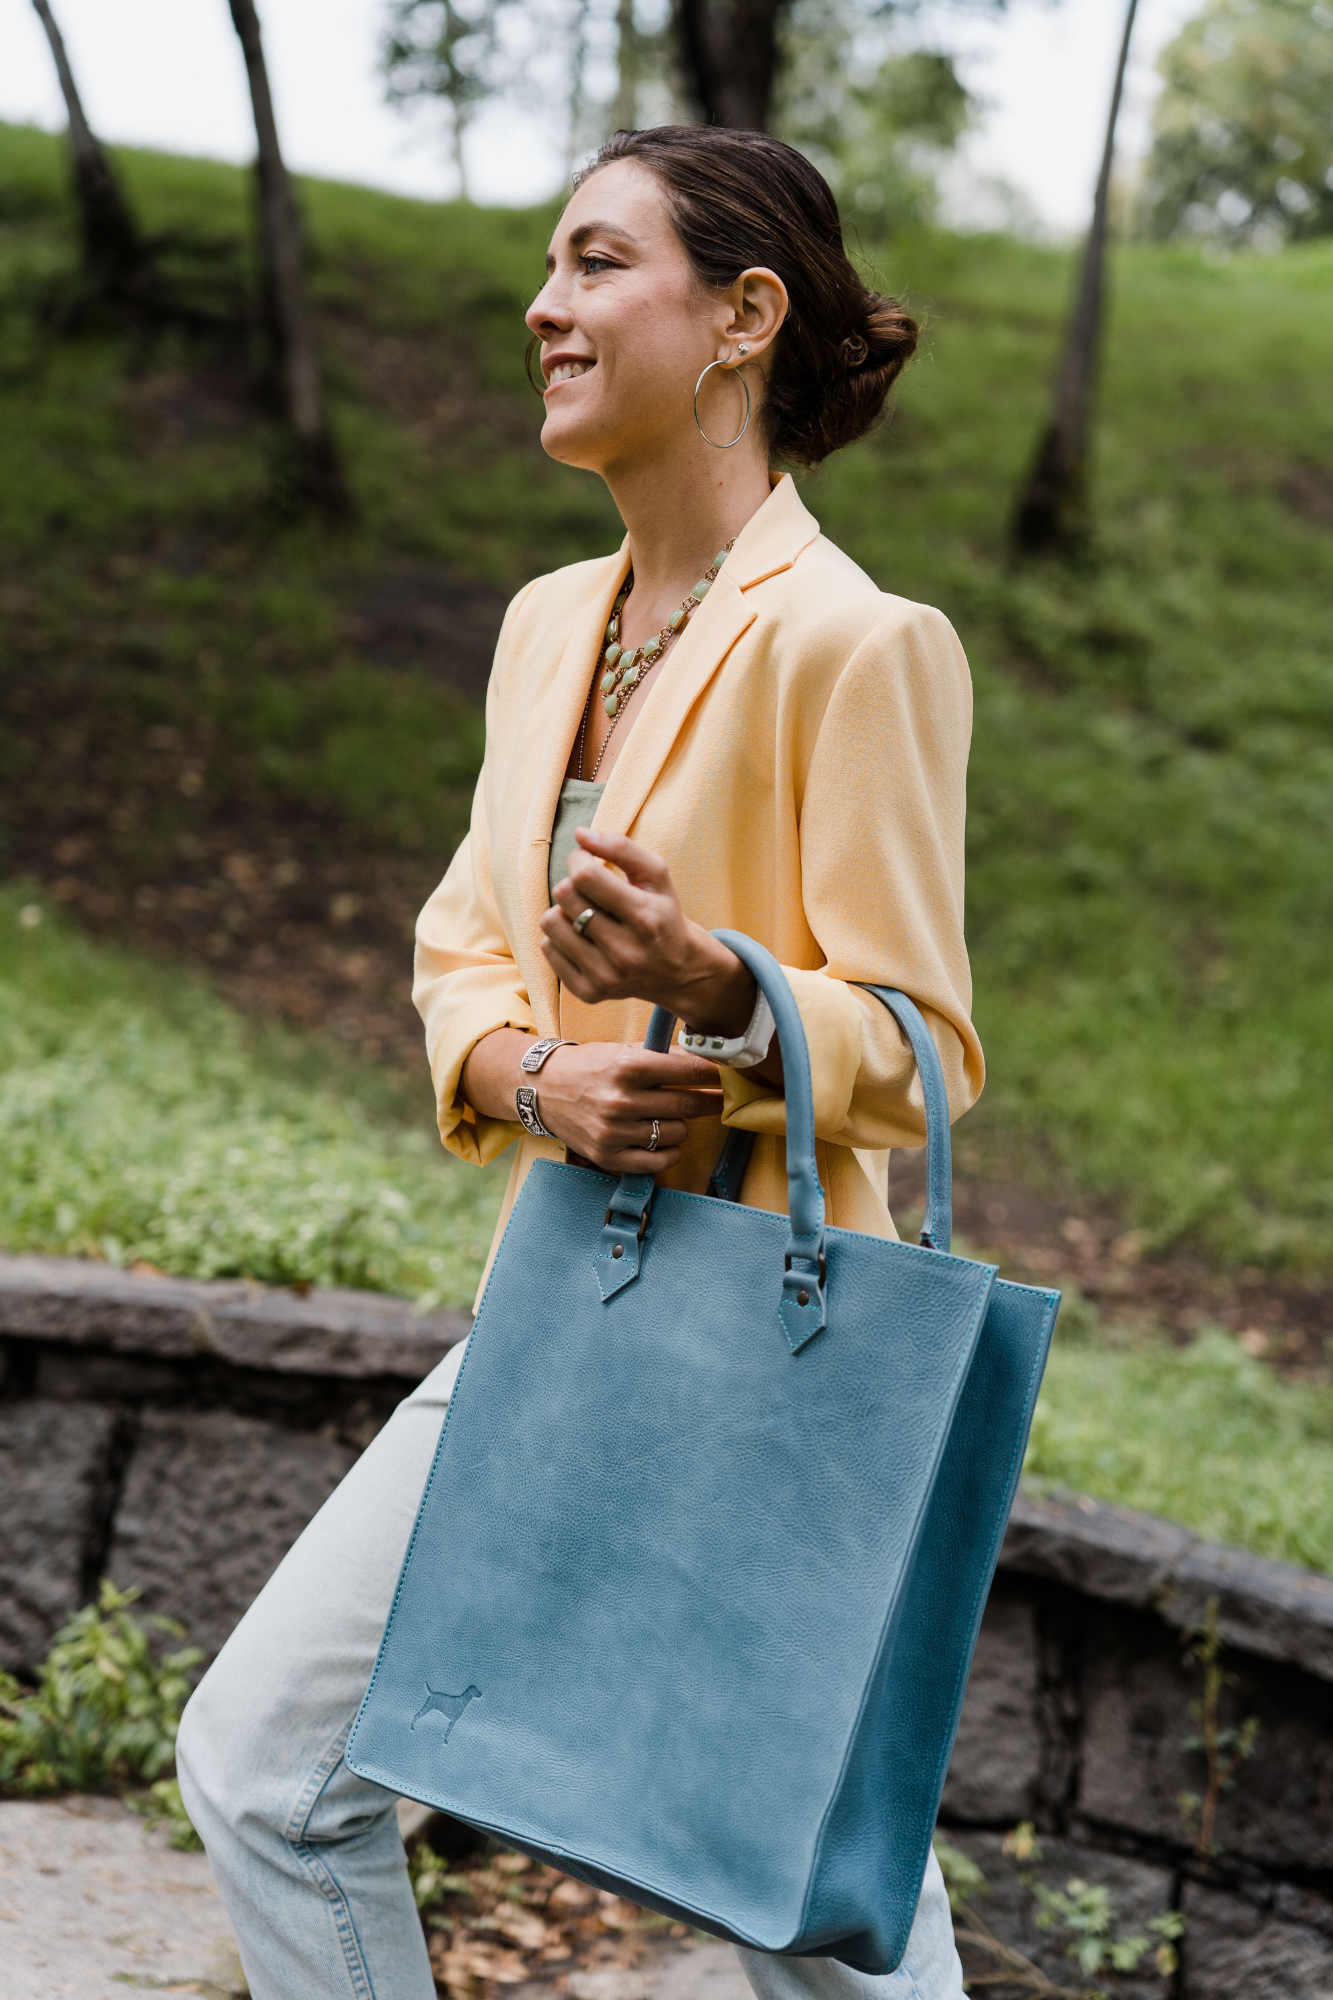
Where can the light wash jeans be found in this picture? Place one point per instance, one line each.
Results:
(308, 1857)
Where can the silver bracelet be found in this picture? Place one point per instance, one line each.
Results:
(533, 1058)
(529, 1117)
(736, 1051)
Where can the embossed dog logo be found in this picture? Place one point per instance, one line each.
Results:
(450, 1706)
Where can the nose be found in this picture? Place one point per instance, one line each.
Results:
(549, 313)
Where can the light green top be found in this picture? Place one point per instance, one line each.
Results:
(579, 800)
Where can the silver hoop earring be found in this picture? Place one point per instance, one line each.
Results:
(716, 443)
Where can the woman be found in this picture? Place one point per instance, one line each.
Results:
(723, 724)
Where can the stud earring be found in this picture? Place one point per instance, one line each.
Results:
(742, 349)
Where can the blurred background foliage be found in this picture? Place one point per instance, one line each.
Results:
(1243, 141)
(877, 120)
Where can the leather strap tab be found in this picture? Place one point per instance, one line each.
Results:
(801, 1312)
(616, 1262)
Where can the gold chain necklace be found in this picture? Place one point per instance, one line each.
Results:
(625, 669)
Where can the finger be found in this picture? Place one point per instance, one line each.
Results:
(579, 947)
(570, 901)
(640, 863)
(637, 907)
(571, 973)
(607, 954)
(638, 1160)
(647, 1069)
(671, 1135)
(660, 1104)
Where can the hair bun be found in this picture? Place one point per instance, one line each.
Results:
(740, 200)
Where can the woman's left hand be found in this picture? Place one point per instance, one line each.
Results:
(639, 944)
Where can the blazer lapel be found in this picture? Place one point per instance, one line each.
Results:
(770, 541)
(698, 653)
(553, 725)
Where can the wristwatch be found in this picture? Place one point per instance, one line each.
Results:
(736, 1051)
(533, 1058)
(529, 1117)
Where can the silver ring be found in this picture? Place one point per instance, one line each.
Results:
(583, 919)
(656, 1139)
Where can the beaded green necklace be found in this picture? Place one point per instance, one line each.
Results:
(626, 667)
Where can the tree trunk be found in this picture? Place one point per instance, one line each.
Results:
(578, 77)
(112, 250)
(1052, 509)
(457, 136)
(729, 54)
(315, 472)
(627, 65)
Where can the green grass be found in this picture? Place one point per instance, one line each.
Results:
(1202, 1434)
(142, 1120)
(1150, 903)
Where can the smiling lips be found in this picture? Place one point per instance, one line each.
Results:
(568, 371)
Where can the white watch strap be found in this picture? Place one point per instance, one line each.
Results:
(736, 1051)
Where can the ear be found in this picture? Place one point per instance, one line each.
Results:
(756, 305)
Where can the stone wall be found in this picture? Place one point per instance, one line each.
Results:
(178, 1436)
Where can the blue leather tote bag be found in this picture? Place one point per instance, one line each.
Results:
(691, 1599)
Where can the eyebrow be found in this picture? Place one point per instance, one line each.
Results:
(585, 233)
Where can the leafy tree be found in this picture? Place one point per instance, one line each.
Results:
(878, 124)
(1243, 147)
(450, 50)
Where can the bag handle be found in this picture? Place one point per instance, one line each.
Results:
(937, 1222)
(801, 1310)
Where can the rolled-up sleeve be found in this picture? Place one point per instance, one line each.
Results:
(882, 822)
(466, 984)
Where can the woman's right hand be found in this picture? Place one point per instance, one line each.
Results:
(599, 1098)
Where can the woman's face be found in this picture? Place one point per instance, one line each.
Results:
(625, 328)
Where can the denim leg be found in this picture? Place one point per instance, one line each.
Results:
(931, 1969)
(307, 1857)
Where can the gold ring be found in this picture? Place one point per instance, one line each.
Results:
(583, 919)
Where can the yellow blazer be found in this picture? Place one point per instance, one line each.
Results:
(801, 764)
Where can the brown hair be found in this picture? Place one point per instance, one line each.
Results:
(739, 199)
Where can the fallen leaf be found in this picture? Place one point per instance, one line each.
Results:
(525, 1928)
(572, 1895)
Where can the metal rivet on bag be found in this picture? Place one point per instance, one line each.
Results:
(617, 1249)
(803, 1298)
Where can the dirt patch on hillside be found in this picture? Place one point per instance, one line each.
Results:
(1287, 1321)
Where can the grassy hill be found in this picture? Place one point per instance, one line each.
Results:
(258, 742)
(225, 736)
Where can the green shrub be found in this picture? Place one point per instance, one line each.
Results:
(105, 1710)
(162, 1804)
